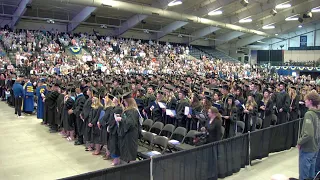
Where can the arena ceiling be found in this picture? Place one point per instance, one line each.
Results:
(189, 20)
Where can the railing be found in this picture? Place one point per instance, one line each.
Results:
(210, 161)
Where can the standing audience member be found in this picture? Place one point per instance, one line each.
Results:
(308, 142)
(18, 96)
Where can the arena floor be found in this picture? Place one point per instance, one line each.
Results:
(29, 151)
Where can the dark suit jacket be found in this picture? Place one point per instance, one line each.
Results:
(214, 130)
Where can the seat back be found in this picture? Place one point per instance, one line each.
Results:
(259, 123)
(147, 124)
(148, 137)
(179, 134)
(240, 126)
(157, 127)
(161, 142)
(222, 132)
(167, 131)
(188, 139)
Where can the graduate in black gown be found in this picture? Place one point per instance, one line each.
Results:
(171, 103)
(60, 104)
(85, 115)
(129, 128)
(230, 116)
(76, 110)
(250, 113)
(192, 121)
(96, 108)
(282, 104)
(156, 111)
(51, 102)
(213, 125)
(112, 128)
(266, 109)
(294, 103)
(103, 124)
(68, 119)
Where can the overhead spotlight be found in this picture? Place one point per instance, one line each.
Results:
(293, 18)
(175, 3)
(307, 15)
(283, 5)
(273, 12)
(146, 31)
(244, 3)
(315, 10)
(180, 35)
(276, 34)
(300, 20)
(270, 26)
(245, 20)
(215, 13)
(300, 26)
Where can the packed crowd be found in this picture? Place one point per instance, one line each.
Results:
(102, 100)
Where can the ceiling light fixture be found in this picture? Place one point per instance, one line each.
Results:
(293, 18)
(273, 12)
(245, 20)
(108, 3)
(215, 12)
(175, 3)
(300, 26)
(283, 5)
(316, 9)
(244, 3)
(270, 26)
(276, 34)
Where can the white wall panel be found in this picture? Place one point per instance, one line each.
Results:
(302, 56)
(41, 25)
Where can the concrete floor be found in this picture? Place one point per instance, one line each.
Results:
(29, 151)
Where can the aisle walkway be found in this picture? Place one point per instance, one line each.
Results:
(29, 151)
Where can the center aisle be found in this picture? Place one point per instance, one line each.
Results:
(29, 151)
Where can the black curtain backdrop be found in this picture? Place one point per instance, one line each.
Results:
(207, 162)
(273, 139)
(139, 170)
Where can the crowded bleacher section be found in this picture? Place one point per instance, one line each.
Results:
(121, 97)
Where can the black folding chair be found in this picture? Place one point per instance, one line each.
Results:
(160, 145)
(156, 128)
(187, 142)
(168, 130)
(147, 124)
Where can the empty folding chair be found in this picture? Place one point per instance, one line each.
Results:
(147, 124)
(147, 140)
(240, 128)
(168, 130)
(187, 142)
(179, 134)
(160, 145)
(156, 128)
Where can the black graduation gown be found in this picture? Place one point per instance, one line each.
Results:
(68, 120)
(230, 124)
(77, 109)
(128, 132)
(59, 110)
(294, 113)
(266, 115)
(104, 124)
(181, 118)
(156, 112)
(85, 114)
(113, 143)
(171, 104)
(94, 130)
(252, 115)
(192, 123)
(282, 101)
(45, 109)
(52, 107)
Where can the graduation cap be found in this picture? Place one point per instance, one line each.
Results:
(208, 97)
(94, 91)
(127, 95)
(63, 88)
(160, 92)
(283, 83)
(110, 96)
(293, 87)
(184, 91)
(207, 93)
